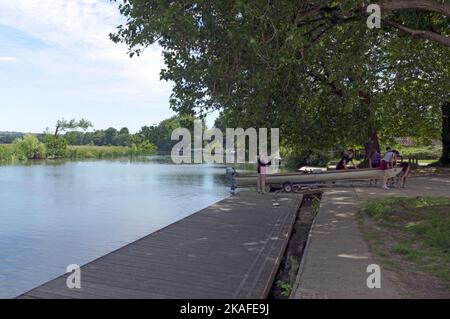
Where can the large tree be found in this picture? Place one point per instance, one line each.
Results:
(312, 68)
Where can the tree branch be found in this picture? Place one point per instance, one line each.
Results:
(422, 34)
(427, 5)
(324, 80)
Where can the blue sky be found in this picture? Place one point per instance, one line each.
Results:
(56, 61)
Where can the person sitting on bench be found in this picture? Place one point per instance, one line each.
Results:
(348, 157)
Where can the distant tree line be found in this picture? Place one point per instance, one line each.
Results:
(54, 144)
(9, 137)
(108, 137)
(158, 134)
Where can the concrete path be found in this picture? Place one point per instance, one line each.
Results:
(336, 258)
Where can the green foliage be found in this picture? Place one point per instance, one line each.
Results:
(9, 137)
(315, 205)
(144, 148)
(408, 252)
(430, 152)
(6, 153)
(29, 147)
(286, 288)
(160, 135)
(110, 136)
(64, 125)
(56, 146)
(105, 152)
(96, 152)
(99, 144)
(311, 68)
(298, 158)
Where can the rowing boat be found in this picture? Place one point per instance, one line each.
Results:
(318, 177)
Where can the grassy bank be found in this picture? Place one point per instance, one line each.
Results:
(8, 153)
(411, 234)
(99, 152)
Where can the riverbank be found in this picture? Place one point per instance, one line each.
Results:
(9, 154)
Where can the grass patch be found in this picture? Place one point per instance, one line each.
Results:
(416, 230)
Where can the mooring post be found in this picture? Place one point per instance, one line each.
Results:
(231, 175)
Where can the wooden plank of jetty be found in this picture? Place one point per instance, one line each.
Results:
(231, 249)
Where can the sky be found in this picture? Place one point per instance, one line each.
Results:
(57, 61)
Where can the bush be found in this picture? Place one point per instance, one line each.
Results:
(29, 147)
(144, 148)
(56, 146)
(6, 153)
(430, 152)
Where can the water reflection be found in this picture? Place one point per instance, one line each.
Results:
(56, 213)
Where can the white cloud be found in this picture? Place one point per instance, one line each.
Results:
(70, 68)
(76, 33)
(9, 59)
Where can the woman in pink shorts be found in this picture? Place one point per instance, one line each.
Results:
(263, 161)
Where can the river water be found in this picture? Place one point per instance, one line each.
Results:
(54, 214)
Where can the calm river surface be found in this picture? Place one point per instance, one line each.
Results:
(56, 214)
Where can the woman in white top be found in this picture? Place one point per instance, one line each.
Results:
(387, 163)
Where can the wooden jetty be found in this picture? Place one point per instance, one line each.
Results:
(231, 249)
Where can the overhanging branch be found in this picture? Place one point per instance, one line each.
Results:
(426, 5)
(421, 34)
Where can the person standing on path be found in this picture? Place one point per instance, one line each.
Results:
(263, 162)
(387, 163)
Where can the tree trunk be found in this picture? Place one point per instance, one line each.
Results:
(373, 144)
(445, 159)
